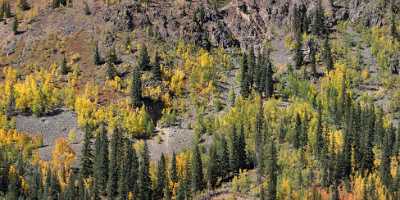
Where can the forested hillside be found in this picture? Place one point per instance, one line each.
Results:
(201, 99)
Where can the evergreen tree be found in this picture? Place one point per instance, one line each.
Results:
(367, 163)
(101, 160)
(174, 173)
(162, 181)
(334, 193)
(298, 132)
(272, 171)
(123, 172)
(70, 192)
(212, 168)
(357, 137)
(251, 67)
(36, 184)
(15, 25)
(132, 166)
(13, 187)
(7, 9)
(55, 188)
(143, 58)
(144, 181)
(386, 162)
(113, 167)
(319, 137)
(87, 153)
(112, 56)
(318, 24)
(156, 69)
(345, 163)
(136, 88)
(223, 158)
(327, 54)
(244, 77)
(269, 82)
(96, 55)
(234, 154)
(241, 147)
(197, 170)
(63, 66)
(312, 56)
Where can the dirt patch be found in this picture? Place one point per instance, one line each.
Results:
(51, 128)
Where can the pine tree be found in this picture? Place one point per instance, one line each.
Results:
(132, 165)
(101, 160)
(162, 181)
(156, 69)
(63, 66)
(55, 188)
(197, 170)
(244, 79)
(367, 162)
(386, 162)
(241, 146)
(136, 88)
(144, 181)
(174, 173)
(111, 71)
(345, 163)
(356, 134)
(269, 82)
(35, 183)
(319, 137)
(7, 9)
(234, 154)
(15, 25)
(143, 58)
(70, 192)
(113, 167)
(223, 158)
(297, 34)
(272, 171)
(251, 67)
(123, 172)
(298, 132)
(87, 153)
(327, 54)
(96, 55)
(312, 56)
(212, 168)
(318, 24)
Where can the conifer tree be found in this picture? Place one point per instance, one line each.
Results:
(7, 9)
(234, 154)
(87, 153)
(15, 25)
(241, 146)
(113, 168)
(35, 183)
(298, 132)
(386, 162)
(357, 147)
(212, 168)
(96, 55)
(112, 56)
(223, 158)
(345, 163)
(312, 56)
(156, 69)
(70, 192)
(111, 71)
(101, 160)
(251, 67)
(272, 171)
(197, 170)
(319, 138)
(327, 54)
(55, 188)
(244, 77)
(367, 162)
(136, 88)
(174, 173)
(269, 82)
(123, 172)
(162, 181)
(13, 187)
(144, 181)
(143, 58)
(132, 166)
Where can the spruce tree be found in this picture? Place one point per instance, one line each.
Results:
(173, 169)
(357, 147)
(327, 54)
(70, 192)
(144, 181)
(386, 162)
(35, 183)
(96, 55)
(55, 188)
(87, 153)
(269, 81)
(234, 153)
(272, 171)
(101, 160)
(298, 132)
(143, 58)
(15, 25)
(368, 154)
(132, 165)
(244, 77)
(259, 141)
(251, 67)
(197, 170)
(162, 181)
(241, 146)
(7, 9)
(319, 137)
(113, 168)
(123, 172)
(312, 56)
(136, 88)
(346, 154)
(223, 158)
(111, 71)
(156, 69)
(212, 167)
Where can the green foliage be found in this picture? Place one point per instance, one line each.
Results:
(197, 170)
(136, 88)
